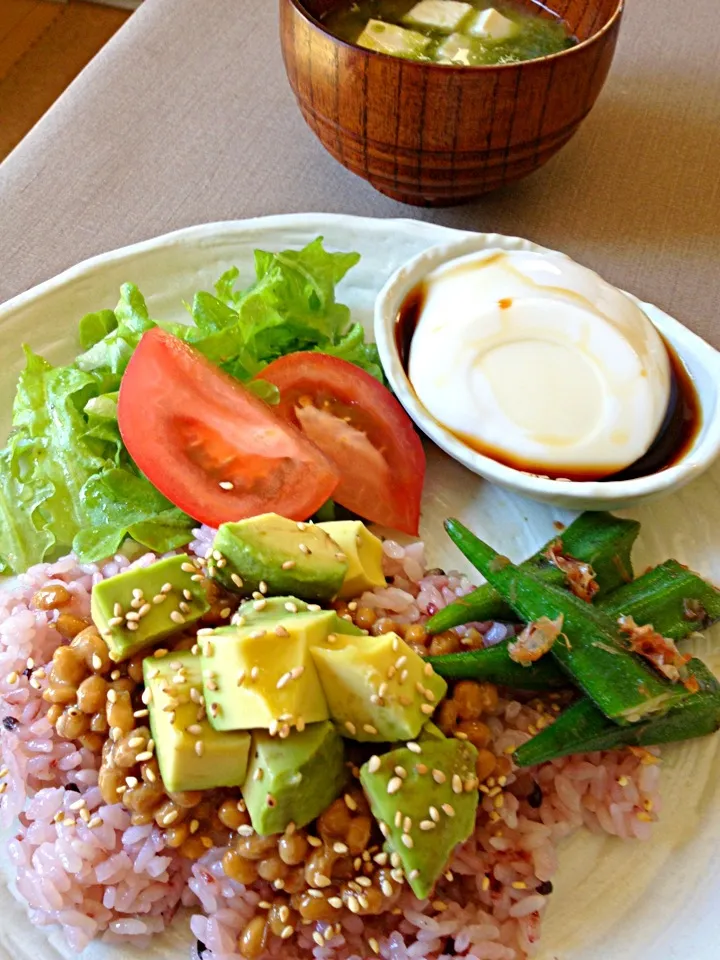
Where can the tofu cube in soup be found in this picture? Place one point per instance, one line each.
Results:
(444, 16)
(456, 49)
(492, 25)
(389, 38)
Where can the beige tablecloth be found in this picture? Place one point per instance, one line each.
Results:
(186, 117)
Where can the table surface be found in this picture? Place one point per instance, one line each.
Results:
(186, 117)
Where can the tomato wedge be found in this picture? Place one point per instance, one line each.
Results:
(361, 429)
(209, 445)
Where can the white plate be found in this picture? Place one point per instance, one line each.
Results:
(612, 900)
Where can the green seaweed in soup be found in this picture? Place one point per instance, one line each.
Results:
(472, 33)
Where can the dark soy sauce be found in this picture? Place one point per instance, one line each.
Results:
(677, 434)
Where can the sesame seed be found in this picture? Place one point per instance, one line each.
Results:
(68, 822)
(132, 782)
(350, 727)
(457, 786)
(414, 747)
(146, 696)
(391, 671)
(387, 888)
(413, 875)
(427, 709)
(160, 653)
(199, 748)
(369, 728)
(211, 685)
(374, 764)
(258, 774)
(280, 631)
(448, 809)
(394, 785)
(145, 755)
(151, 775)
(288, 565)
(623, 781)
(314, 841)
(353, 905)
(438, 776)
(134, 742)
(434, 814)
(408, 841)
(237, 580)
(350, 803)
(341, 848)
(407, 824)
(401, 772)
(284, 680)
(335, 902)
(427, 824)
(287, 932)
(384, 829)
(403, 676)
(421, 769)
(115, 621)
(131, 625)
(400, 662)
(303, 548)
(398, 818)
(319, 939)
(404, 701)
(185, 607)
(226, 485)
(112, 695)
(321, 880)
(159, 598)
(297, 672)
(254, 673)
(12, 678)
(300, 724)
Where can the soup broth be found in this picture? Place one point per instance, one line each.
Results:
(475, 33)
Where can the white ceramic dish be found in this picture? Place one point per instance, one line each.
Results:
(612, 900)
(702, 361)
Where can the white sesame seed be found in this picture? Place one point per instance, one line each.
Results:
(159, 598)
(134, 742)
(177, 617)
(374, 764)
(457, 785)
(132, 616)
(284, 680)
(394, 784)
(288, 565)
(314, 841)
(245, 830)
(438, 776)
(407, 824)
(352, 904)
(144, 756)
(132, 782)
(314, 608)
(255, 673)
(427, 824)
(199, 748)
(407, 840)
(321, 880)
(185, 607)
(319, 939)
(237, 580)
(350, 803)
(258, 774)
(335, 902)
(350, 727)
(434, 814)
(303, 548)
(146, 696)
(144, 610)
(340, 848)
(398, 818)
(226, 485)
(263, 587)
(297, 672)
(448, 809)
(115, 621)
(166, 588)
(384, 829)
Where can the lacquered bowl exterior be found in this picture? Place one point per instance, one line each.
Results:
(433, 135)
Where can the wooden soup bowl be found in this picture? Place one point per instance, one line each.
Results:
(435, 135)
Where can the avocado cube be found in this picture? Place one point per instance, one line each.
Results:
(145, 605)
(295, 779)
(492, 25)
(276, 610)
(377, 688)
(363, 551)
(389, 38)
(443, 16)
(264, 677)
(438, 795)
(287, 557)
(190, 754)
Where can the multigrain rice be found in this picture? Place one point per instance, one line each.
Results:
(107, 878)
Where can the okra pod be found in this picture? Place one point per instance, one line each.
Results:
(676, 601)
(589, 649)
(494, 665)
(582, 728)
(600, 539)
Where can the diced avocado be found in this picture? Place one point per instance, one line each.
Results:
(430, 731)
(456, 49)
(436, 799)
(363, 551)
(389, 38)
(288, 557)
(278, 609)
(377, 688)
(190, 754)
(492, 25)
(143, 606)
(295, 779)
(264, 676)
(444, 16)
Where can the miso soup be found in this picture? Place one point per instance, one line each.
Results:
(470, 33)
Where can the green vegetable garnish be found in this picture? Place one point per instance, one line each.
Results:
(590, 648)
(600, 539)
(582, 728)
(66, 479)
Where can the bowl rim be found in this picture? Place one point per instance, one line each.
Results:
(686, 344)
(466, 70)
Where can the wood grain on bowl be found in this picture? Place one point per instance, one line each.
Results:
(434, 135)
